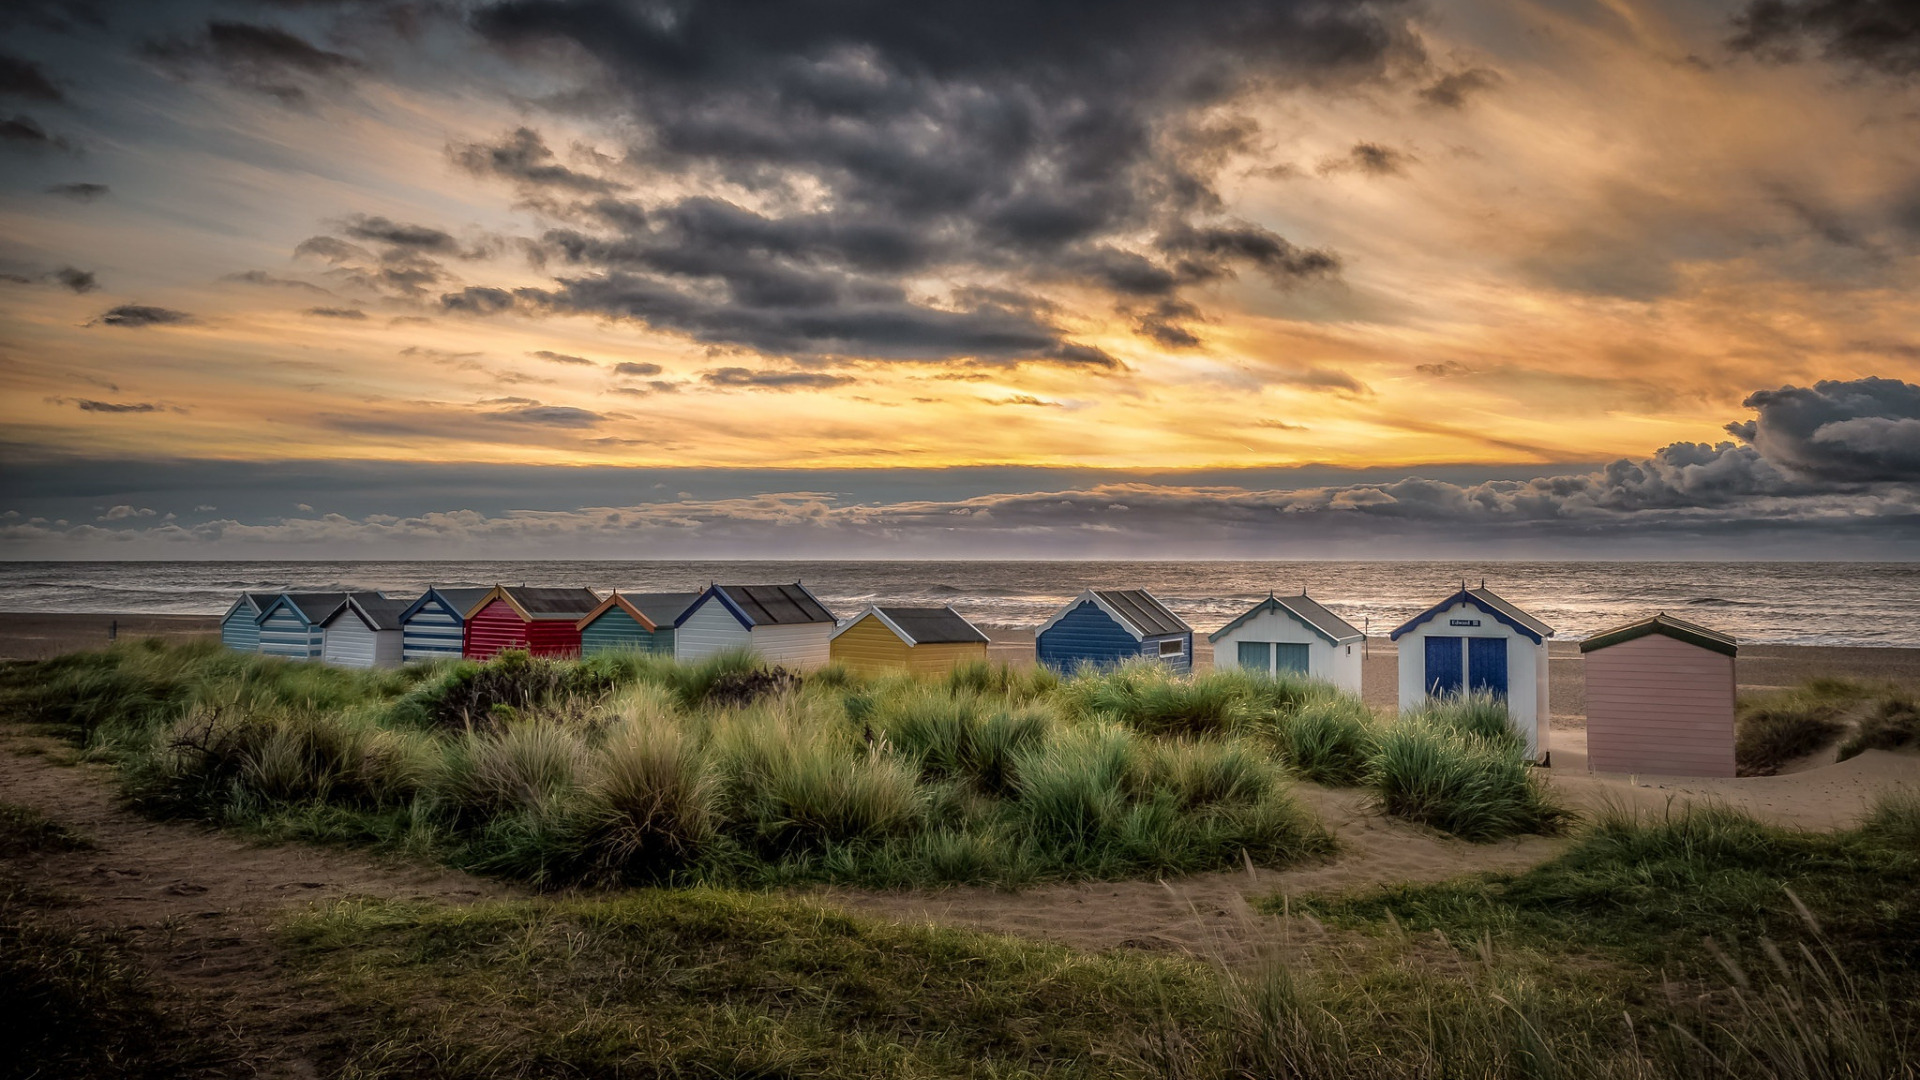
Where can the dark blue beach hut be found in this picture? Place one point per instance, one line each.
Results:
(1107, 627)
(432, 627)
(240, 627)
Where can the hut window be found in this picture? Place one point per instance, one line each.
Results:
(1170, 647)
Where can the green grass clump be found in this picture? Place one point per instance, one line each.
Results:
(1773, 729)
(1331, 740)
(1149, 696)
(1893, 723)
(702, 983)
(1427, 769)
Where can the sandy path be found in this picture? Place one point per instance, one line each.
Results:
(198, 903)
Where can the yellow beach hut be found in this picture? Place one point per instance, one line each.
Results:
(923, 640)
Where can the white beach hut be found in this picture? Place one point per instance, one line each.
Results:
(364, 632)
(783, 624)
(1291, 634)
(1472, 642)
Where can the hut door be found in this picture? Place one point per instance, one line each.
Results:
(1487, 665)
(1444, 662)
(1256, 656)
(1290, 656)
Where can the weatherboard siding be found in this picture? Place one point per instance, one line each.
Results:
(286, 633)
(432, 633)
(348, 643)
(617, 631)
(1182, 662)
(240, 631)
(800, 646)
(1087, 635)
(1337, 664)
(1660, 706)
(869, 647)
(1526, 664)
(709, 631)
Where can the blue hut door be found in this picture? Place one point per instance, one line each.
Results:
(1290, 656)
(1256, 656)
(1487, 665)
(1443, 665)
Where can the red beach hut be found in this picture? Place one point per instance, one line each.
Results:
(541, 621)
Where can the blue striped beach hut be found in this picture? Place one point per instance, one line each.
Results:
(634, 622)
(291, 625)
(240, 627)
(432, 627)
(1108, 627)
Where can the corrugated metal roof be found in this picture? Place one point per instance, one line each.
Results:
(379, 612)
(1138, 606)
(662, 608)
(1668, 626)
(932, 625)
(765, 605)
(553, 603)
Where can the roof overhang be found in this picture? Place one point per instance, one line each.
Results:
(874, 610)
(621, 602)
(1274, 603)
(1665, 626)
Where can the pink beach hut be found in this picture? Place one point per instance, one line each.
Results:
(1660, 699)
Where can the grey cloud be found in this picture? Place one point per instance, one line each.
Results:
(260, 59)
(261, 277)
(744, 378)
(638, 370)
(523, 157)
(565, 358)
(1876, 35)
(1372, 159)
(27, 131)
(80, 281)
(477, 300)
(560, 416)
(399, 234)
(1863, 430)
(336, 313)
(23, 78)
(1445, 369)
(79, 192)
(1451, 91)
(86, 405)
(139, 315)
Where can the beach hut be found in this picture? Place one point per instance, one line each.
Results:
(784, 624)
(363, 632)
(1106, 627)
(1660, 698)
(1474, 642)
(924, 640)
(432, 627)
(290, 624)
(240, 626)
(543, 621)
(634, 622)
(1291, 634)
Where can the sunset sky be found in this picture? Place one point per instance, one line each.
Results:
(986, 278)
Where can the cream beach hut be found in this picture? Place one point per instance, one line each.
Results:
(782, 624)
(1291, 634)
(1660, 696)
(1476, 642)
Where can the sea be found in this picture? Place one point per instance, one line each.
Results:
(1797, 603)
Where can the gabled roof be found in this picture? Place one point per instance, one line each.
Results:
(374, 611)
(533, 603)
(1137, 611)
(1490, 602)
(1336, 630)
(921, 625)
(313, 608)
(253, 602)
(1668, 626)
(650, 610)
(461, 600)
(765, 605)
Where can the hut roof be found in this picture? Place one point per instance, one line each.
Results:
(255, 602)
(312, 607)
(376, 612)
(921, 625)
(650, 610)
(1490, 602)
(768, 605)
(1318, 619)
(1136, 610)
(540, 603)
(1664, 624)
(462, 600)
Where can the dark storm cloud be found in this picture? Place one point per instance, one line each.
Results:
(1065, 142)
(134, 316)
(260, 59)
(79, 281)
(336, 313)
(1877, 35)
(1864, 430)
(1451, 91)
(79, 192)
(523, 157)
(23, 78)
(477, 300)
(744, 378)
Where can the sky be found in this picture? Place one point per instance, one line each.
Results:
(991, 278)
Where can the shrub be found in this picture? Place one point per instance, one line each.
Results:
(650, 799)
(1474, 788)
(1330, 740)
(480, 696)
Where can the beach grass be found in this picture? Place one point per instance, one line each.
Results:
(1775, 728)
